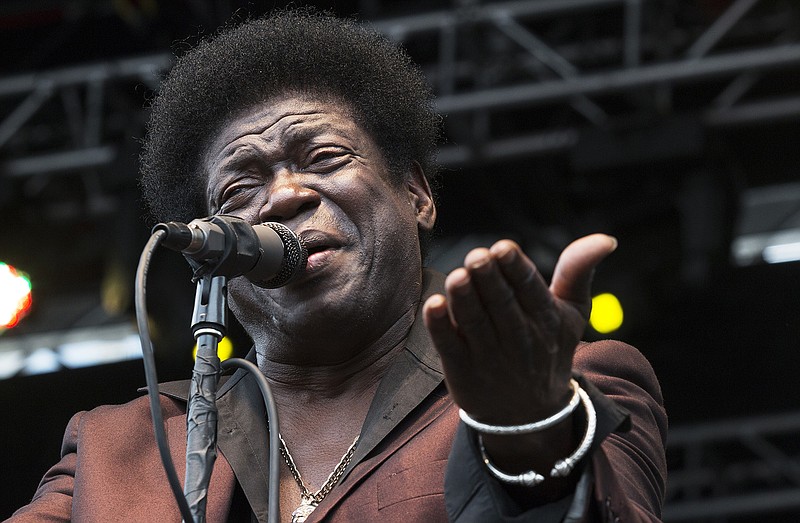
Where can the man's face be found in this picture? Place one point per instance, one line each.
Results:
(308, 165)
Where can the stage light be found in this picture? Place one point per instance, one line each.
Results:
(606, 314)
(15, 296)
(782, 252)
(224, 349)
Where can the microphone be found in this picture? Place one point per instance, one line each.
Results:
(268, 254)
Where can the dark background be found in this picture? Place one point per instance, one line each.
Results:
(663, 164)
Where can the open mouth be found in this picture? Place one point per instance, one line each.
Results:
(316, 249)
(319, 249)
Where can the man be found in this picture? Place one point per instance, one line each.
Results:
(326, 127)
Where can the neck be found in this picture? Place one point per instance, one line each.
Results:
(359, 372)
(322, 407)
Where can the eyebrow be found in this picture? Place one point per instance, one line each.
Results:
(241, 154)
(306, 132)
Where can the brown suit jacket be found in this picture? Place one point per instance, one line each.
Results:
(110, 470)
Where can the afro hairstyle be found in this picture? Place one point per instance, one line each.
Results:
(302, 52)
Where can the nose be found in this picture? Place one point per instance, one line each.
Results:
(287, 198)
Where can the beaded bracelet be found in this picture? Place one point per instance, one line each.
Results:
(562, 467)
(507, 430)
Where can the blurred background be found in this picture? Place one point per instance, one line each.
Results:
(672, 124)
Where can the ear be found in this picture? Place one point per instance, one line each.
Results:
(419, 192)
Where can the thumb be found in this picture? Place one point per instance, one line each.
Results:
(572, 278)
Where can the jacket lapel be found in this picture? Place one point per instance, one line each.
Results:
(415, 373)
(410, 381)
(243, 438)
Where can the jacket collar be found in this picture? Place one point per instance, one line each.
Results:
(242, 431)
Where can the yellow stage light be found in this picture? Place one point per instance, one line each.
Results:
(606, 314)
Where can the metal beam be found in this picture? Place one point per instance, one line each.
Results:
(548, 56)
(633, 32)
(144, 67)
(528, 145)
(538, 93)
(754, 113)
(734, 505)
(60, 161)
(735, 428)
(719, 28)
(705, 488)
(562, 140)
(24, 111)
(403, 26)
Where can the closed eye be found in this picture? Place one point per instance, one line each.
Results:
(237, 194)
(327, 159)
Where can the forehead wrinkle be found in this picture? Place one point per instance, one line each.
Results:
(299, 119)
(319, 122)
(299, 129)
(261, 129)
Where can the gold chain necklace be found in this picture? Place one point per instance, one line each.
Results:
(309, 500)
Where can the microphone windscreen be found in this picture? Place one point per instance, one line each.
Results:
(283, 265)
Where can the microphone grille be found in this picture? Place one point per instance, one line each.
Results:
(295, 256)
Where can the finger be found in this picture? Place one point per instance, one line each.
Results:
(529, 286)
(467, 311)
(574, 270)
(437, 320)
(498, 298)
(456, 364)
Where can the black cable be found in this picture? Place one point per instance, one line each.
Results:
(273, 513)
(150, 373)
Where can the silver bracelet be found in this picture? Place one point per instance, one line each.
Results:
(507, 430)
(530, 478)
(562, 467)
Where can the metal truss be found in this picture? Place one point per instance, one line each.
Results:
(594, 63)
(603, 51)
(61, 120)
(733, 469)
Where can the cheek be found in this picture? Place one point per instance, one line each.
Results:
(239, 295)
(243, 296)
(251, 307)
(397, 231)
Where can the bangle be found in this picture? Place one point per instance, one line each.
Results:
(562, 467)
(528, 427)
(529, 478)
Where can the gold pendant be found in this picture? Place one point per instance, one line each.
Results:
(302, 512)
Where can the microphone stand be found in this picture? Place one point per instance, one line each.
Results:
(209, 322)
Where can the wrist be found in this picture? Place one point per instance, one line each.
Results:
(526, 428)
(553, 452)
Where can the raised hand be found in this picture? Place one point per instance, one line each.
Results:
(507, 339)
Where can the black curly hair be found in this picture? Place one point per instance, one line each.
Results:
(287, 52)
